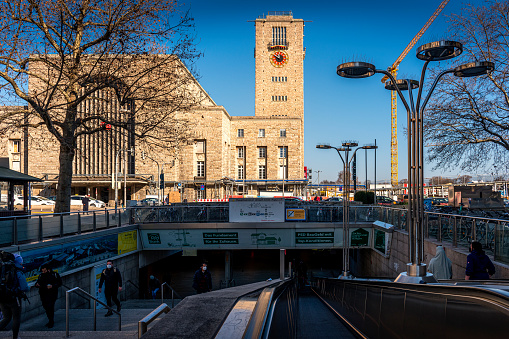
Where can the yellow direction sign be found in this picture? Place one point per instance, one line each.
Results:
(295, 214)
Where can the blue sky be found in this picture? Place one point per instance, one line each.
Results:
(336, 109)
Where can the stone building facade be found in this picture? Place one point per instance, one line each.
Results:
(228, 156)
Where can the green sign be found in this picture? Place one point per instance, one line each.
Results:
(314, 237)
(359, 238)
(154, 238)
(380, 241)
(221, 238)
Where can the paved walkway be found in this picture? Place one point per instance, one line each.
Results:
(82, 320)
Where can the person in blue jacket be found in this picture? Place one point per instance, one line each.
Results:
(479, 265)
(11, 308)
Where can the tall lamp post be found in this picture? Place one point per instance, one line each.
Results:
(434, 51)
(347, 148)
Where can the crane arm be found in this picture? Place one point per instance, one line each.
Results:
(416, 38)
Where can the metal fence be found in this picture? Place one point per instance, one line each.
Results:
(16, 230)
(458, 230)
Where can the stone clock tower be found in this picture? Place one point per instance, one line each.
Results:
(279, 53)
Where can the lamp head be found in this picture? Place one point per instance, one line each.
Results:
(439, 50)
(356, 69)
(343, 149)
(474, 69)
(350, 144)
(402, 84)
(369, 147)
(324, 146)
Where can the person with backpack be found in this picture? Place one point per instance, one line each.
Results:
(112, 281)
(13, 286)
(48, 283)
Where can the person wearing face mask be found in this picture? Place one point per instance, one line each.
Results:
(48, 283)
(202, 280)
(112, 284)
(154, 285)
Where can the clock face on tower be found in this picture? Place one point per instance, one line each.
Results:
(278, 58)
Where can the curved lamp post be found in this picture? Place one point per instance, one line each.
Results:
(347, 148)
(434, 51)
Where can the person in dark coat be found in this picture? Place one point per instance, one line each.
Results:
(154, 285)
(48, 284)
(11, 307)
(479, 265)
(112, 281)
(202, 280)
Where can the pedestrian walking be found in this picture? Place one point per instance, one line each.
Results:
(202, 280)
(112, 281)
(154, 285)
(440, 266)
(479, 265)
(48, 284)
(13, 290)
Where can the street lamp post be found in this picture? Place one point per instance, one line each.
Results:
(435, 51)
(347, 148)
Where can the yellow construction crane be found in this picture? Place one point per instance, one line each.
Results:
(394, 111)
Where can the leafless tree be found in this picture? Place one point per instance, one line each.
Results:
(129, 57)
(467, 120)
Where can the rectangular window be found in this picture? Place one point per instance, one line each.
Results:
(262, 152)
(240, 152)
(16, 146)
(282, 133)
(283, 151)
(200, 146)
(278, 35)
(240, 172)
(261, 133)
(240, 133)
(200, 194)
(200, 169)
(283, 172)
(262, 173)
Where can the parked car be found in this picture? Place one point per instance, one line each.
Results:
(334, 199)
(149, 202)
(34, 201)
(382, 200)
(78, 200)
(440, 201)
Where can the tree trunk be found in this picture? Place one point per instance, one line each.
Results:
(63, 202)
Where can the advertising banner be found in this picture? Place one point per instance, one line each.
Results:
(97, 275)
(295, 214)
(127, 242)
(257, 210)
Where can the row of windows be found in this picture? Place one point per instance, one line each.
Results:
(262, 172)
(279, 98)
(261, 133)
(262, 152)
(278, 35)
(279, 79)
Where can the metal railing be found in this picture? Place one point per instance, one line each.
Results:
(15, 230)
(143, 323)
(94, 304)
(173, 292)
(458, 230)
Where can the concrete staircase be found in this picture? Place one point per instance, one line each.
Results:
(82, 321)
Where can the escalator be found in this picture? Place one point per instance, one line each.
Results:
(316, 320)
(363, 308)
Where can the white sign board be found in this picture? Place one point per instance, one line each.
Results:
(257, 210)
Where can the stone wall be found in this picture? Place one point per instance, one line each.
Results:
(368, 263)
(129, 269)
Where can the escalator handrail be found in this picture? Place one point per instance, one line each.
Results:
(258, 320)
(497, 296)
